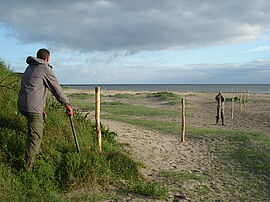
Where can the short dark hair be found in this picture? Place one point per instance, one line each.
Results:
(43, 53)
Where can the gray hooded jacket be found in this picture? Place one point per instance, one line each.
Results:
(37, 77)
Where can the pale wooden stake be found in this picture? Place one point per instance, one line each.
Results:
(245, 100)
(241, 102)
(232, 108)
(183, 121)
(97, 117)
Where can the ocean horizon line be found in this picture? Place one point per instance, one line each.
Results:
(85, 84)
(235, 88)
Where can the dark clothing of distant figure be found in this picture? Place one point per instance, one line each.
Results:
(37, 78)
(220, 108)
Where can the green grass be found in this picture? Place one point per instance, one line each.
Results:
(123, 109)
(111, 103)
(122, 95)
(81, 95)
(153, 189)
(259, 101)
(235, 99)
(248, 158)
(165, 127)
(204, 190)
(58, 169)
(243, 163)
(167, 96)
(65, 87)
(161, 126)
(83, 105)
(136, 110)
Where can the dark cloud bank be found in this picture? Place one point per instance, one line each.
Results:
(134, 25)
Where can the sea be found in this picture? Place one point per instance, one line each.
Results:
(226, 88)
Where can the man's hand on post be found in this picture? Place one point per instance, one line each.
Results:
(69, 111)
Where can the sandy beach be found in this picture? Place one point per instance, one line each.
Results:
(162, 152)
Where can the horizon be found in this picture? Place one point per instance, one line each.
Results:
(226, 88)
(82, 84)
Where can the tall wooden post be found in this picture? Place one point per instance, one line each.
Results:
(183, 121)
(241, 102)
(246, 97)
(97, 117)
(232, 108)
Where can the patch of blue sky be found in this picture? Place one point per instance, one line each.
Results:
(13, 52)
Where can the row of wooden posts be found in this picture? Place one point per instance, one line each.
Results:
(243, 99)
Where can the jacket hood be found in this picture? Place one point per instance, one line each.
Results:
(36, 61)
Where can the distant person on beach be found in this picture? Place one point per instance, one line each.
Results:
(37, 78)
(220, 107)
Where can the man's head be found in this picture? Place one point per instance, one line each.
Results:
(43, 54)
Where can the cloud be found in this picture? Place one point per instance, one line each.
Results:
(128, 25)
(258, 49)
(226, 73)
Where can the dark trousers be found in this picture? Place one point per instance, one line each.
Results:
(221, 109)
(34, 137)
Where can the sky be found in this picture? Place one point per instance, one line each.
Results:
(142, 41)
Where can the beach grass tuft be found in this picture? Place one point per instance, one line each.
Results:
(81, 95)
(122, 95)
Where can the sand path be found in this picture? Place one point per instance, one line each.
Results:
(160, 153)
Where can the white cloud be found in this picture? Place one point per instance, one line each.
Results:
(102, 25)
(258, 49)
(251, 72)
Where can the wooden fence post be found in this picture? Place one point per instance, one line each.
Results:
(244, 100)
(232, 108)
(241, 102)
(183, 121)
(246, 97)
(97, 117)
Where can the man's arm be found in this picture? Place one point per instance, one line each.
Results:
(52, 83)
(222, 99)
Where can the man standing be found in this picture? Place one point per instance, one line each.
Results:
(37, 78)
(220, 107)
